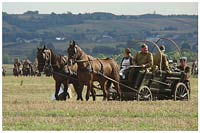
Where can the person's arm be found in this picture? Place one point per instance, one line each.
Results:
(131, 60)
(149, 61)
(121, 63)
(165, 62)
(134, 60)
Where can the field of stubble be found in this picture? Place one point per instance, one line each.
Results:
(29, 107)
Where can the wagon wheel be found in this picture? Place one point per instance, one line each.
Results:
(144, 94)
(181, 92)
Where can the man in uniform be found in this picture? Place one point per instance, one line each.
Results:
(164, 62)
(186, 69)
(143, 60)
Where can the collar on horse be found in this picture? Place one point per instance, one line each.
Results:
(90, 67)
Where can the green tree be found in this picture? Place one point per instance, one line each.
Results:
(7, 59)
(101, 56)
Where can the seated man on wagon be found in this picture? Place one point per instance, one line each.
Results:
(163, 59)
(143, 60)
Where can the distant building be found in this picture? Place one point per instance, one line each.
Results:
(60, 38)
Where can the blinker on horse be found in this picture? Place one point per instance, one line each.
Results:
(92, 69)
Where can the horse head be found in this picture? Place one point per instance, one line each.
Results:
(73, 53)
(43, 57)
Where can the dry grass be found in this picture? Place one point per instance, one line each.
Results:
(28, 107)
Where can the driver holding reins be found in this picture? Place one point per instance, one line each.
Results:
(143, 60)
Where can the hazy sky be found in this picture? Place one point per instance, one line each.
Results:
(134, 8)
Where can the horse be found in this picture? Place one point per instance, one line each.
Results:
(26, 69)
(3, 72)
(48, 70)
(62, 73)
(93, 69)
(16, 69)
(194, 70)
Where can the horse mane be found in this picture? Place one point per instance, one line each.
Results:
(59, 60)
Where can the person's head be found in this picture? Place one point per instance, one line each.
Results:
(162, 48)
(183, 61)
(144, 48)
(127, 52)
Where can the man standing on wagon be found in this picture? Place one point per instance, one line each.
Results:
(143, 60)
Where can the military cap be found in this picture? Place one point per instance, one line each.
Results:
(162, 48)
(183, 59)
(143, 45)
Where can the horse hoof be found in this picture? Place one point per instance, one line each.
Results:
(87, 99)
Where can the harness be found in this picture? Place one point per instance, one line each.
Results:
(90, 67)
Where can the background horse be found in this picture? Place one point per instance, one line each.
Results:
(91, 69)
(16, 70)
(194, 70)
(3, 71)
(61, 71)
(26, 69)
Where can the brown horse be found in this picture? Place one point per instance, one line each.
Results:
(91, 69)
(26, 69)
(3, 71)
(16, 69)
(62, 73)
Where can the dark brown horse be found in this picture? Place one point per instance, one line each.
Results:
(3, 71)
(16, 69)
(91, 69)
(62, 73)
(26, 69)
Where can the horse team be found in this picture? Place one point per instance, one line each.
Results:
(80, 69)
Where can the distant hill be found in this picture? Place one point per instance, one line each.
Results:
(26, 31)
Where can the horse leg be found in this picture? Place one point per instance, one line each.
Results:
(89, 86)
(116, 85)
(108, 86)
(93, 93)
(57, 87)
(66, 86)
(80, 91)
(78, 87)
(103, 87)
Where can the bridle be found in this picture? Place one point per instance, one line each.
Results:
(73, 56)
(45, 58)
